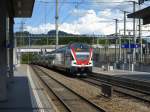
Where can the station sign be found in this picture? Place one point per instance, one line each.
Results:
(130, 45)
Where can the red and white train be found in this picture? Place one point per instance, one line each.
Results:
(75, 58)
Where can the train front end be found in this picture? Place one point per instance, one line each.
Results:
(81, 62)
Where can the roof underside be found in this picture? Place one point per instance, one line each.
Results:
(143, 14)
(23, 8)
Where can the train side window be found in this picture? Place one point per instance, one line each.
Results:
(67, 50)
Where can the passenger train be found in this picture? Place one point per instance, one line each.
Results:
(75, 58)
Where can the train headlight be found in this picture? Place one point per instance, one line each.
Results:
(90, 63)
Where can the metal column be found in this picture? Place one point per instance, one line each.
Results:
(134, 35)
(3, 51)
(56, 24)
(116, 34)
(124, 53)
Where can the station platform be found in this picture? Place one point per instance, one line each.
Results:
(136, 75)
(24, 94)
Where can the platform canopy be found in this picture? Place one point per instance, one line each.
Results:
(142, 14)
(22, 8)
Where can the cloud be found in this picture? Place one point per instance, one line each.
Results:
(110, 14)
(90, 23)
(114, 4)
(79, 12)
(105, 13)
(44, 28)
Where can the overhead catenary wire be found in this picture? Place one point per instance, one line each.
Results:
(70, 2)
(65, 18)
(61, 5)
(75, 2)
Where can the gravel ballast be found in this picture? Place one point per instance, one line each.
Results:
(115, 104)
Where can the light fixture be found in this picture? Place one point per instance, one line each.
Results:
(19, 4)
(19, 12)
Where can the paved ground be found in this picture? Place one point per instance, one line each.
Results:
(21, 94)
(143, 68)
(144, 76)
(25, 94)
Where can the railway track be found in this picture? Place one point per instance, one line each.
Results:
(121, 86)
(71, 101)
(131, 84)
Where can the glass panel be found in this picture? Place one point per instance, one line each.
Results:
(82, 57)
(79, 47)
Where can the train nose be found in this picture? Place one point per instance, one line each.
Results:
(81, 69)
(83, 62)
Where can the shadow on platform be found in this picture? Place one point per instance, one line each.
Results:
(19, 97)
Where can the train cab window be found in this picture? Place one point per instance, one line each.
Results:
(80, 47)
(82, 57)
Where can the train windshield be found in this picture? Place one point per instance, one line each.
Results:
(82, 57)
(80, 47)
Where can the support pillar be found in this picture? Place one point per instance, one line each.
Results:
(3, 51)
(11, 43)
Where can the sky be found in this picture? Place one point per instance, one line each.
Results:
(79, 16)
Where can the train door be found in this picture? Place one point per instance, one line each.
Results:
(67, 58)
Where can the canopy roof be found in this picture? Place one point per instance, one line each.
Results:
(22, 8)
(143, 14)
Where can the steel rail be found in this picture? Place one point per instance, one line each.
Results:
(75, 93)
(135, 85)
(119, 89)
(62, 102)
